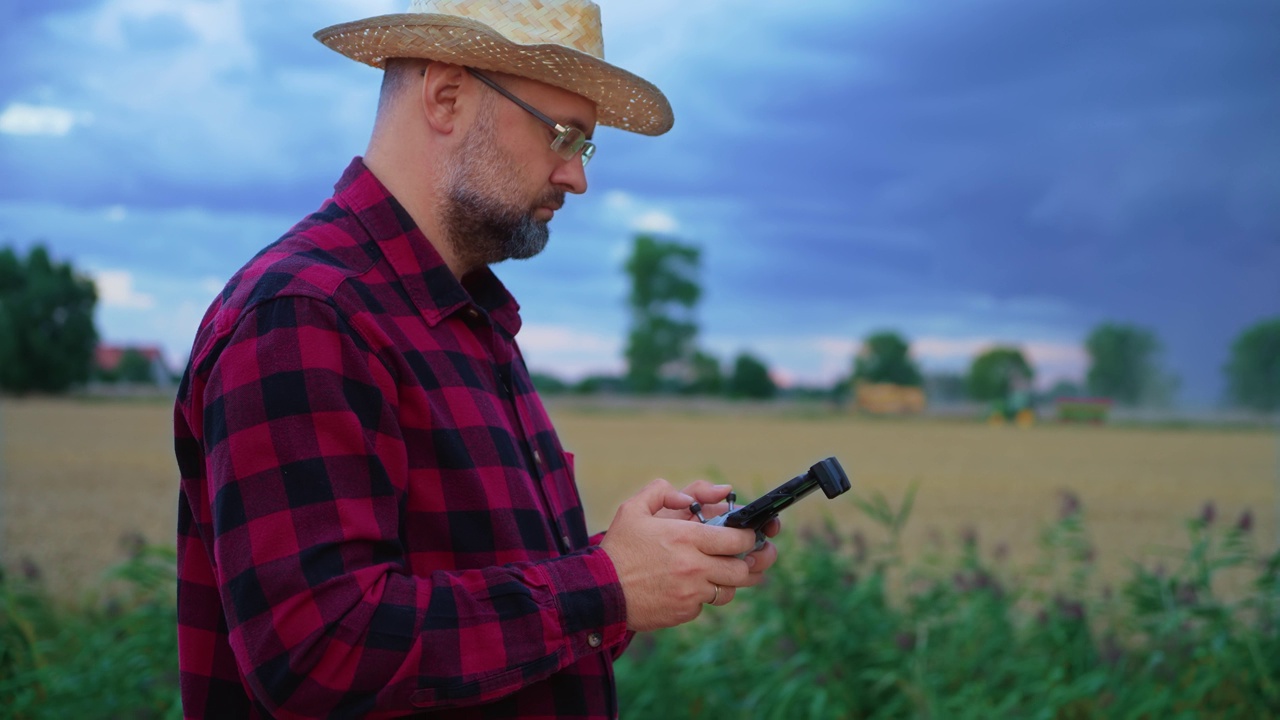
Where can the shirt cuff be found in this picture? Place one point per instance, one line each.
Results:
(588, 593)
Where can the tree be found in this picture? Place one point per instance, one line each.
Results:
(1123, 366)
(548, 384)
(996, 372)
(136, 368)
(750, 379)
(884, 358)
(1253, 373)
(1065, 389)
(664, 292)
(47, 334)
(708, 378)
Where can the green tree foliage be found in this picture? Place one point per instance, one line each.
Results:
(1253, 373)
(548, 384)
(750, 379)
(884, 358)
(135, 367)
(1123, 366)
(1065, 389)
(664, 293)
(598, 384)
(996, 372)
(707, 377)
(47, 334)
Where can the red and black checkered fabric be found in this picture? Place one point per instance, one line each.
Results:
(376, 517)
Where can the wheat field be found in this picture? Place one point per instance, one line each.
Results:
(82, 480)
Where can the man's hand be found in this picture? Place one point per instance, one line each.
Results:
(712, 499)
(670, 568)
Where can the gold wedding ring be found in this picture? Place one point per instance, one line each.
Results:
(717, 595)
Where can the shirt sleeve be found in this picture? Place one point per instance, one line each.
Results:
(306, 469)
(615, 651)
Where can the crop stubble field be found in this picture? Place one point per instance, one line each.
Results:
(79, 478)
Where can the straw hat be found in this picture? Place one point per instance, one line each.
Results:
(558, 42)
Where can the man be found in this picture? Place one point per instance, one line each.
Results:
(376, 517)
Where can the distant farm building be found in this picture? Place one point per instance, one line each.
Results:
(889, 399)
(110, 363)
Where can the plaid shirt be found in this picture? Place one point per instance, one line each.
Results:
(376, 517)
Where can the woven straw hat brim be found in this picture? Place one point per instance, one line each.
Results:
(623, 100)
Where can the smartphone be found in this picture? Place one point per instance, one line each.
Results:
(827, 474)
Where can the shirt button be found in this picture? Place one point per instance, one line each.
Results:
(473, 313)
(537, 457)
(594, 640)
(565, 539)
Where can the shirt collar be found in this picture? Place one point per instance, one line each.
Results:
(430, 284)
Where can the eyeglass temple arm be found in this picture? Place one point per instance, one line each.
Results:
(528, 108)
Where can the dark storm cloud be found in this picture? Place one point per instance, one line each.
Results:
(250, 115)
(952, 168)
(1120, 157)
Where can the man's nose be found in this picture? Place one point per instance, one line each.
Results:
(571, 175)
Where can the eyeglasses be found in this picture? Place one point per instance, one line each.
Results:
(569, 141)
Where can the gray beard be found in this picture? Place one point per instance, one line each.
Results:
(484, 230)
(482, 226)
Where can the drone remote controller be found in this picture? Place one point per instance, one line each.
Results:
(827, 475)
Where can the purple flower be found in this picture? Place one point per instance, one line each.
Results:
(859, 547)
(1072, 610)
(1208, 513)
(834, 539)
(1111, 653)
(1246, 521)
(1069, 506)
(133, 544)
(969, 536)
(906, 641)
(30, 570)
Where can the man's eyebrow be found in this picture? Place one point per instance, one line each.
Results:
(578, 123)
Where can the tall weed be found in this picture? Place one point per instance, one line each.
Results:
(112, 656)
(845, 629)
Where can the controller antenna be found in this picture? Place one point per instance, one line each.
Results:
(696, 509)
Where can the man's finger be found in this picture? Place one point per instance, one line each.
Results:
(730, 572)
(676, 500)
(712, 540)
(706, 493)
(653, 497)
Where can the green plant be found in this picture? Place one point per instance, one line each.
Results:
(114, 656)
(847, 628)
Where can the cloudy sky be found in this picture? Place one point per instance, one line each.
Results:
(967, 172)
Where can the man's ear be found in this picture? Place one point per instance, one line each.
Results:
(441, 90)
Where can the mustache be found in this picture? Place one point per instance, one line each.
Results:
(553, 199)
